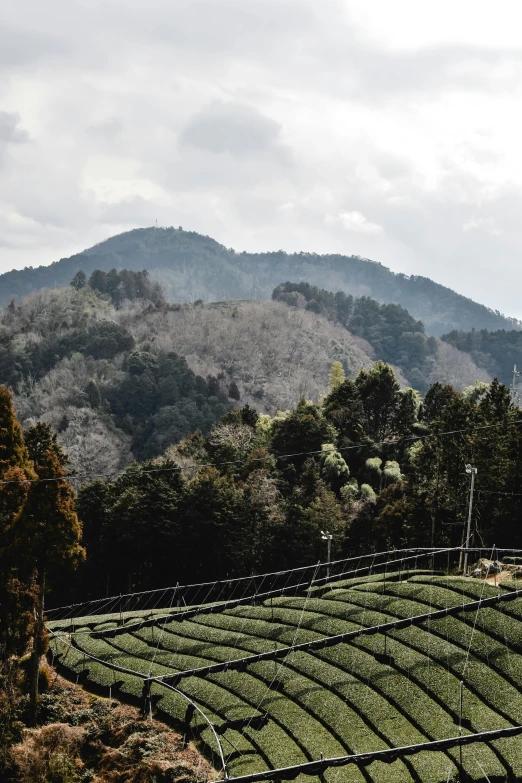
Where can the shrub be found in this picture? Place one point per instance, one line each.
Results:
(50, 755)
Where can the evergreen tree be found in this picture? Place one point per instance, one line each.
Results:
(379, 393)
(15, 473)
(46, 533)
(303, 431)
(13, 452)
(141, 533)
(79, 280)
(233, 391)
(217, 540)
(337, 376)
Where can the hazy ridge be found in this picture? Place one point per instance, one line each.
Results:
(194, 267)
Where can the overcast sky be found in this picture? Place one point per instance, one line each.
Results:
(392, 130)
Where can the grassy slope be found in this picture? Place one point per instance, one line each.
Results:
(339, 700)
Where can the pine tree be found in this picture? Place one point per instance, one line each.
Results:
(79, 280)
(15, 470)
(46, 534)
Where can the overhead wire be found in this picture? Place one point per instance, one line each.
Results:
(196, 466)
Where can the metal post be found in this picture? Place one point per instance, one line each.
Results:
(460, 719)
(329, 555)
(473, 472)
(326, 536)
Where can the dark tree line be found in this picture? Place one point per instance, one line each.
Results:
(121, 285)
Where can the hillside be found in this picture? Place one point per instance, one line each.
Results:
(496, 352)
(197, 267)
(334, 696)
(128, 382)
(84, 737)
(123, 379)
(396, 337)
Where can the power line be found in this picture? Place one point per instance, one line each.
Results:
(180, 468)
(495, 492)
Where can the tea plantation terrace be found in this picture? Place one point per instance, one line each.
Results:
(399, 673)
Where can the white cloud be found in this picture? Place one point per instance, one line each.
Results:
(353, 221)
(380, 129)
(488, 224)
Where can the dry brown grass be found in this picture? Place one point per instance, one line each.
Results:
(91, 740)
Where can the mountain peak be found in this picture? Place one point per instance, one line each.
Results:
(193, 266)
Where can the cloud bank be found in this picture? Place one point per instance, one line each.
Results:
(385, 130)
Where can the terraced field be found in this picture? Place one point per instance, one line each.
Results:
(373, 692)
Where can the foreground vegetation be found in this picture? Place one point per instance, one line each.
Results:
(346, 699)
(83, 738)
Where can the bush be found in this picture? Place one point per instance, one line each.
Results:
(50, 755)
(368, 494)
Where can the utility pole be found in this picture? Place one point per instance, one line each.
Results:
(472, 472)
(326, 536)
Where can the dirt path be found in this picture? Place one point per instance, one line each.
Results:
(495, 579)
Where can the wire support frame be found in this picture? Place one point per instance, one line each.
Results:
(332, 641)
(253, 577)
(363, 759)
(185, 614)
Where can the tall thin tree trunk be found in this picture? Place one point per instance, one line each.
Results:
(39, 630)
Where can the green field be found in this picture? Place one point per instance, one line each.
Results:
(337, 701)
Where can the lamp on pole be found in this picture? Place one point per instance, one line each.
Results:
(326, 536)
(472, 472)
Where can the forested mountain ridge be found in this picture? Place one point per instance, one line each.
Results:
(395, 336)
(194, 267)
(121, 374)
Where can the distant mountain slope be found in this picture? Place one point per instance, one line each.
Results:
(127, 382)
(497, 352)
(394, 335)
(197, 267)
